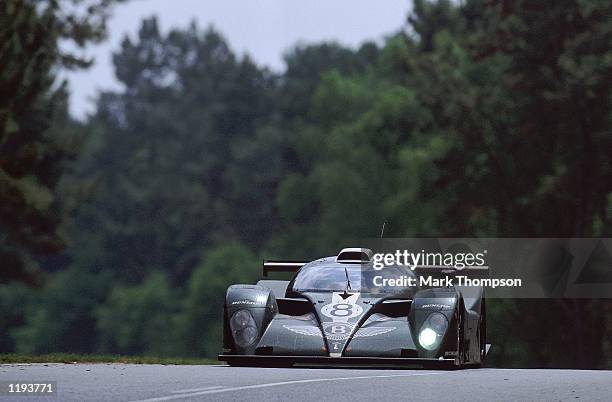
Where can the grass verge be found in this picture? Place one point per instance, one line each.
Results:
(78, 358)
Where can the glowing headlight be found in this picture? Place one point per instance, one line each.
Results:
(432, 331)
(427, 338)
(243, 328)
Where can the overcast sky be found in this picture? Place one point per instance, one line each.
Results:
(262, 28)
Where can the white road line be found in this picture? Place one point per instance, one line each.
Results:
(182, 391)
(275, 384)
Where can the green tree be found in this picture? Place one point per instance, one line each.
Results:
(202, 320)
(31, 160)
(160, 158)
(480, 119)
(139, 320)
(60, 318)
(474, 121)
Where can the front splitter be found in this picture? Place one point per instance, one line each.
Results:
(318, 361)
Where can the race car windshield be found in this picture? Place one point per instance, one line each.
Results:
(333, 278)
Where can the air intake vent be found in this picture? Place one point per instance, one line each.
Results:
(354, 255)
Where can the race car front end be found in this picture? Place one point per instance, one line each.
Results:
(340, 329)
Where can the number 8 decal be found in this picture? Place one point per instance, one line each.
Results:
(341, 310)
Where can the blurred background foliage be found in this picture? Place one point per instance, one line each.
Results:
(120, 234)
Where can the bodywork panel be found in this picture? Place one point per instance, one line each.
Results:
(353, 328)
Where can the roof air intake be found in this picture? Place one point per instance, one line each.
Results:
(354, 255)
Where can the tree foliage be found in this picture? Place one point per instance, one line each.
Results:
(138, 320)
(481, 118)
(32, 156)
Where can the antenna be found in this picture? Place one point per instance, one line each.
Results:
(382, 230)
(346, 294)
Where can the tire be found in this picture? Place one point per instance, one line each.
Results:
(482, 336)
(482, 332)
(460, 335)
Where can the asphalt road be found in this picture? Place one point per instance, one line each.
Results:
(125, 382)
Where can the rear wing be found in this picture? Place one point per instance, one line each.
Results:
(473, 271)
(282, 266)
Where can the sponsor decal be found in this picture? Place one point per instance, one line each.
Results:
(261, 299)
(249, 302)
(434, 305)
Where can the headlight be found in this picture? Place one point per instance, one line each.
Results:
(428, 338)
(433, 331)
(243, 328)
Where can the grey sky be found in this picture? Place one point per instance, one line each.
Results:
(262, 28)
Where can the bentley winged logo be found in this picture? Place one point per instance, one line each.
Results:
(310, 330)
(372, 331)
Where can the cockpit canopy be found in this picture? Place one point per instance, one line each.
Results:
(331, 276)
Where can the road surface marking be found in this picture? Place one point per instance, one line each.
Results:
(275, 384)
(182, 391)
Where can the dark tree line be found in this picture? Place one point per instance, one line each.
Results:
(484, 118)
